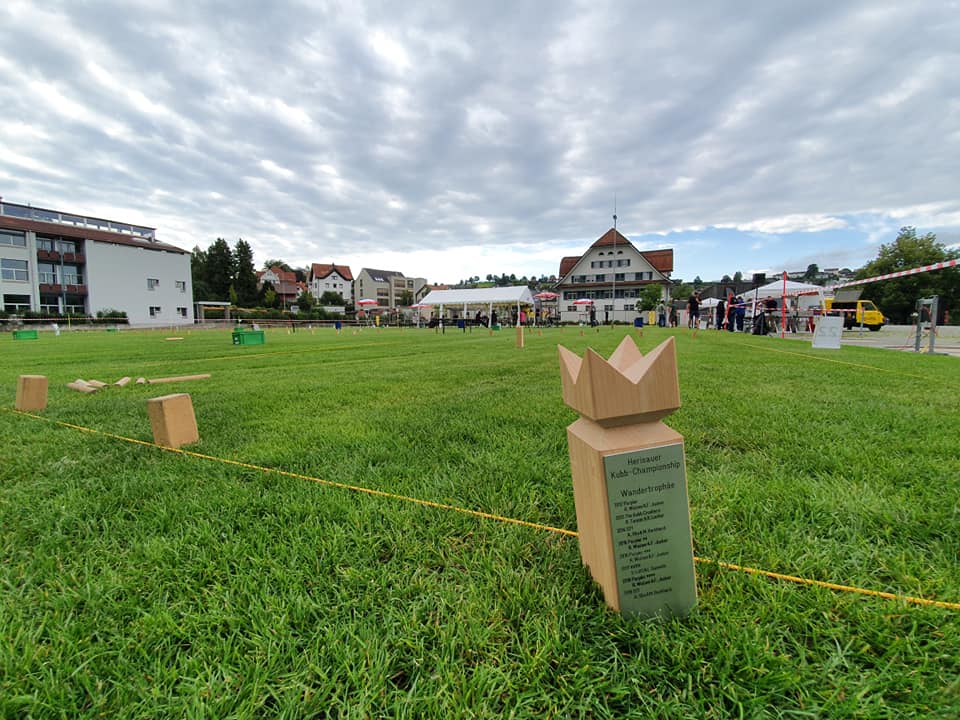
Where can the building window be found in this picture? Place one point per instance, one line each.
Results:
(600, 278)
(182, 311)
(72, 275)
(618, 277)
(47, 273)
(15, 303)
(152, 283)
(154, 311)
(13, 237)
(14, 269)
(181, 285)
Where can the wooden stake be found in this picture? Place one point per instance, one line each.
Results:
(81, 386)
(180, 378)
(122, 382)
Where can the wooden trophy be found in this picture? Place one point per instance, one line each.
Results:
(629, 478)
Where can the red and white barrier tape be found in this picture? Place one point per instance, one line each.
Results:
(902, 273)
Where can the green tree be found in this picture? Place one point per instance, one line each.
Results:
(738, 277)
(276, 263)
(233, 296)
(198, 272)
(697, 282)
(244, 274)
(267, 296)
(406, 298)
(897, 298)
(219, 269)
(305, 301)
(331, 297)
(726, 280)
(812, 271)
(650, 296)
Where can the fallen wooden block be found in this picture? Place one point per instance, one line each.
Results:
(96, 383)
(122, 381)
(81, 386)
(31, 392)
(179, 378)
(141, 381)
(174, 338)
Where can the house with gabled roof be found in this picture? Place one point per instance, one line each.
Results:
(284, 283)
(331, 278)
(612, 273)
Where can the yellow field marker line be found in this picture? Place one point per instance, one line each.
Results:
(491, 516)
(841, 362)
(831, 586)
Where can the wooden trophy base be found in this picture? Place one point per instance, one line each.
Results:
(633, 515)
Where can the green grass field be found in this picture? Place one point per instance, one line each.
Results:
(140, 583)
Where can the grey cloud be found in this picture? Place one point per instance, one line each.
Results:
(497, 117)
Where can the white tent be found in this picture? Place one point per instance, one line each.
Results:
(510, 295)
(776, 289)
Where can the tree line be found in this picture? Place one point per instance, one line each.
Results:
(221, 272)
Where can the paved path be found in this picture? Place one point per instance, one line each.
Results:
(903, 337)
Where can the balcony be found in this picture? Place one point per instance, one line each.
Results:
(48, 255)
(76, 289)
(51, 288)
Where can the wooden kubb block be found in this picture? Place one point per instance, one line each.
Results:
(172, 420)
(31, 392)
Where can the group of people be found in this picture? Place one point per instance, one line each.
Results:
(729, 314)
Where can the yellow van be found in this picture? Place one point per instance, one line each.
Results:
(855, 313)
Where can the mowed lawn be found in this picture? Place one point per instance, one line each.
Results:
(136, 582)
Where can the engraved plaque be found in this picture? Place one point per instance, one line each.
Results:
(650, 526)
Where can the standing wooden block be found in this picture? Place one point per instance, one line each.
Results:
(519, 336)
(31, 392)
(629, 478)
(172, 420)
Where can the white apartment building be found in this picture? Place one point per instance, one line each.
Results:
(388, 288)
(55, 263)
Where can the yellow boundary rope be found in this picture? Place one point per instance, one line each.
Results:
(841, 362)
(491, 516)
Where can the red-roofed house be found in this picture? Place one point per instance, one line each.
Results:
(613, 273)
(331, 278)
(284, 283)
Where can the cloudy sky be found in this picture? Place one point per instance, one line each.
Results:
(454, 139)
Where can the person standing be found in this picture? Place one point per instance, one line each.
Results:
(721, 314)
(661, 314)
(693, 310)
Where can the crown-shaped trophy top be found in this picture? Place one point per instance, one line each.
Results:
(629, 388)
